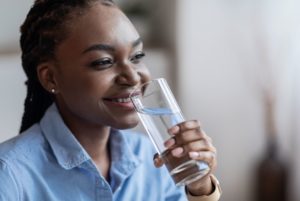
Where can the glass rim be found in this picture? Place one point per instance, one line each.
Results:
(160, 79)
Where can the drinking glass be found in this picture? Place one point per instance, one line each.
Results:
(159, 111)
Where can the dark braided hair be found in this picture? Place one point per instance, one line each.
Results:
(44, 28)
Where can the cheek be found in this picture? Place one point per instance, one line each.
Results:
(144, 73)
(83, 91)
(82, 97)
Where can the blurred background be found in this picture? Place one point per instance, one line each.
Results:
(234, 65)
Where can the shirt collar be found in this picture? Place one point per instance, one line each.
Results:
(121, 151)
(67, 150)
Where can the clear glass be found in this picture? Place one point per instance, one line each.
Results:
(158, 111)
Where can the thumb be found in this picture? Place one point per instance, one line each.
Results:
(158, 162)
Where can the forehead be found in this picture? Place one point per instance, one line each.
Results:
(101, 24)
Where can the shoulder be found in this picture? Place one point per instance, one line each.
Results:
(9, 189)
(14, 153)
(18, 156)
(22, 145)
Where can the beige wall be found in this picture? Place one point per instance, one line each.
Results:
(12, 89)
(13, 93)
(227, 51)
(12, 14)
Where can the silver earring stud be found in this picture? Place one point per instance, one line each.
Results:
(53, 91)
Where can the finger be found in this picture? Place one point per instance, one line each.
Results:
(158, 162)
(206, 136)
(188, 136)
(174, 130)
(169, 143)
(200, 145)
(177, 152)
(206, 156)
(184, 126)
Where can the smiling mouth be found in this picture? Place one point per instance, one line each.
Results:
(122, 100)
(124, 103)
(119, 100)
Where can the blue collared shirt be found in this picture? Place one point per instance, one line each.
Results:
(47, 163)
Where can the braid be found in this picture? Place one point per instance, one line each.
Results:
(43, 29)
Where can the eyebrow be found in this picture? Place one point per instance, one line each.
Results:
(109, 48)
(136, 42)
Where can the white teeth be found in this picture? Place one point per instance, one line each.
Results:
(121, 100)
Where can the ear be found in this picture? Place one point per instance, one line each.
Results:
(46, 75)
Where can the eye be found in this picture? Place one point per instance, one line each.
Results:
(102, 63)
(137, 57)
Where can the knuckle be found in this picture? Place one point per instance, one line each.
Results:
(199, 133)
(192, 124)
(181, 126)
(189, 136)
(213, 156)
(209, 139)
(206, 143)
(196, 125)
(190, 147)
(197, 122)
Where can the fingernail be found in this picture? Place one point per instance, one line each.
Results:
(194, 154)
(169, 143)
(177, 151)
(156, 155)
(156, 161)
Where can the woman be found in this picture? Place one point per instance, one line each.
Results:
(82, 59)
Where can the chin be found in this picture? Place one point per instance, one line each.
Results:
(126, 124)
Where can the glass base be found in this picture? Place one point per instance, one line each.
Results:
(193, 177)
(189, 172)
(184, 170)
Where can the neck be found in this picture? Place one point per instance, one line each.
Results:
(95, 142)
(94, 139)
(96, 145)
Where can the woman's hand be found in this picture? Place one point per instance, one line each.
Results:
(189, 139)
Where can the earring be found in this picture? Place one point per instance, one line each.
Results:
(53, 91)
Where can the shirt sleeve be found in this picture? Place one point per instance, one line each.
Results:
(214, 196)
(8, 187)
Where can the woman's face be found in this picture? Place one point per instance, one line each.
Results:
(98, 66)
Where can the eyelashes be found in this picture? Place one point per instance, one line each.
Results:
(137, 57)
(102, 63)
(107, 62)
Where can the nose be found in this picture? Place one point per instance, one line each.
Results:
(128, 75)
